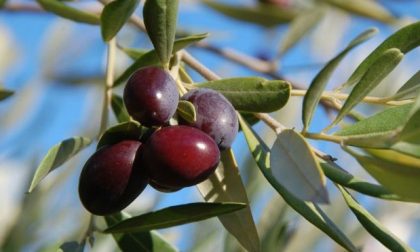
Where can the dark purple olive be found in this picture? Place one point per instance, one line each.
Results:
(151, 96)
(180, 156)
(215, 116)
(112, 178)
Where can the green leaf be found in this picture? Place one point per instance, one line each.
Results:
(57, 156)
(173, 216)
(411, 130)
(123, 131)
(114, 15)
(160, 17)
(151, 58)
(369, 9)
(313, 95)
(147, 241)
(252, 94)
(2, 3)
(399, 178)
(119, 109)
(405, 39)
(373, 226)
(407, 148)
(377, 131)
(186, 110)
(68, 12)
(308, 210)
(342, 177)
(263, 14)
(300, 26)
(225, 185)
(294, 166)
(410, 89)
(377, 71)
(4, 94)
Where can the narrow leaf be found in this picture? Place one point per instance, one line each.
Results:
(151, 58)
(313, 95)
(373, 226)
(308, 210)
(410, 89)
(400, 179)
(342, 177)
(57, 156)
(411, 130)
(407, 148)
(405, 39)
(68, 12)
(369, 9)
(225, 185)
(372, 77)
(300, 26)
(294, 166)
(123, 131)
(252, 94)
(114, 15)
(119, 109)
(72, 247)
(186, 110)
(263, 14)
(4, 94)
(147, 241)
(173, 216)
(160, 17)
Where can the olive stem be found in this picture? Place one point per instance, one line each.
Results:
(109, 82)
(342, 96)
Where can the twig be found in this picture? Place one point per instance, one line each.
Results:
(110, 72)
(342, 96)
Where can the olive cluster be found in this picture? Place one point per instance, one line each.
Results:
(172, 157)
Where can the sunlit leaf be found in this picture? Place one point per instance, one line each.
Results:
(151, 58)
(401, 179)
(252, 94)
(300, 26)
(114, 15)
(225, 185)
(369, 9)
(68, 12)
(186, 110)
(4, 94)
(262, 14)
(313, 95)
(405, 39)
(407, 148)
(123, 131)
(160, 18)
(308, 210)
(141, 241)
(373, 226)
(377, 71)
(173, 216)
(119, 109)
(294, 166)
(57, 156)
(342, 177)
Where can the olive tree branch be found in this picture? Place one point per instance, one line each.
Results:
(109, 80)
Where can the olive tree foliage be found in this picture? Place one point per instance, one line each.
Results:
(300, 177)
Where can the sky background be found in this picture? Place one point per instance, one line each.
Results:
(39, 51)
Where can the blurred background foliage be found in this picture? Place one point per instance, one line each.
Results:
(56, 69)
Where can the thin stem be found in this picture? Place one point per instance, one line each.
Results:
(197, 66)
(109, 81)
(341, 96)
(325, 137)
